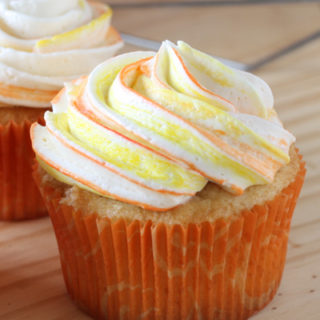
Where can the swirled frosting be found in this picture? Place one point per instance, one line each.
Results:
(44, 43)
(153, 129)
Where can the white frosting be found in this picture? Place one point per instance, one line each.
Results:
(165, 124)
(90, 173)
(44, 18)
(25, 23)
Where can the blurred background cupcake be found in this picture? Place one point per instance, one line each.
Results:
(171, 184)
(44, 43)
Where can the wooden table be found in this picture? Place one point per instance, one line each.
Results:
(31, 284)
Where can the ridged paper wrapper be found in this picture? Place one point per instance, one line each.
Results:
(228, 269)
(19, 196)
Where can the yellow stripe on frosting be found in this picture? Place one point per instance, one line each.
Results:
(89, 32)
(165, 124)
(204, 115)
(129, 156)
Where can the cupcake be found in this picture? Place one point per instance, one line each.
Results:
(43, 44)
(171, 183)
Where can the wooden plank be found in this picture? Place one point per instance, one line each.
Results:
(246, 33)
(158, 3)
(295, 83)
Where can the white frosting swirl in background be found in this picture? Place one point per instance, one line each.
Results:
(33, 57)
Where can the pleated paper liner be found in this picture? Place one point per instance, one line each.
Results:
(228, 269)
(19, 196)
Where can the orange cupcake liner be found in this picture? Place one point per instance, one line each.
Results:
(19, 196)
(228, 269)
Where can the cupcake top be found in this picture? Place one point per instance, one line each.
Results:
(44, 43)
(152, 129)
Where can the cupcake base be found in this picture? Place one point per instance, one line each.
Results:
(19, 196)
(226, 269)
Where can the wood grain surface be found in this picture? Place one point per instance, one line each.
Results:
(31, 284)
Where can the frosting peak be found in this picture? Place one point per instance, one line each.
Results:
(162, 125)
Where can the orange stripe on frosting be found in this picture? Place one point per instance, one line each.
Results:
(195, 81)
(89, 183)
(21, 93)
(263, 164)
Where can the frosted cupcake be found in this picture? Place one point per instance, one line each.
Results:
(171, 183)
(43, 43)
